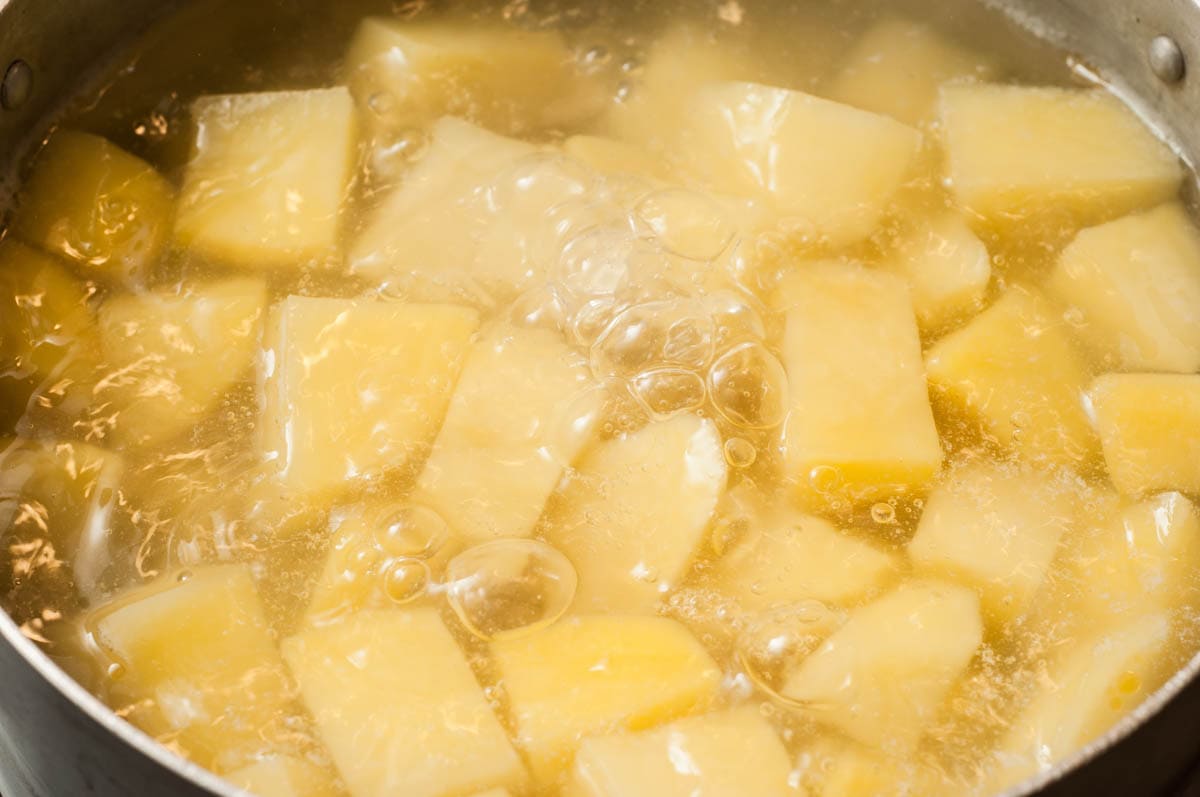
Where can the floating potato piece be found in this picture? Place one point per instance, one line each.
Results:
(997, 527)
(861, 425)
(599, 674)
(1016, 154)
(613, 156)
(268, 175)
(882, 677)
(357, 387)
(1148, 425)
(220, 691)
(399, 708)
(831, 168)
(1136, 282)
(635, 512)
(727, 754)
(524, 408)
(283, 776)
(1014, 369)
(897, 67)
(173, 356)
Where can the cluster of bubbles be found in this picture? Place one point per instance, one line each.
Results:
(771, 644)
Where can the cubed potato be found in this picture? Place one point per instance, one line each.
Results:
(1136, 284)
(524, 408)
(861, 426)
(173, 356)
(220, 691)
(96, 205)
(1014, 369)
(356, 387)
(284, 776)
(613, 156)
(635, 512)
(830, 169)
(599, 674)
(45, 312)
(996, 527)
(268, 175)
(882, 677)
(1017, 154)
(897, 67)
(947, 269)
(727, 754)
(1150, 428)
(398, 707)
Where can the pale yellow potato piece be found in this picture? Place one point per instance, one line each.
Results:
(1150, 427)
(947, 269)
(268, 175)
(494, 793)
(399, 708)
(635, 512)
(836, 768)
(173, 356)
(220, 690)
(882, 677)
(1013, 368)
(599, 674)
(1136, 282)
(613, 156)
(1016, 153)
(283, 776)
(997, 527)
(860, 425)
(828, 168)
(356, 388)
(96, 205)
(44, 313)
(727, 754)
(897, 67)
(524, 409)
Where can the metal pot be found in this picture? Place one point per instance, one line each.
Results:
(56, 740)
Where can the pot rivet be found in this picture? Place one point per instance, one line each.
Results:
(17, 85)
(1166, 59)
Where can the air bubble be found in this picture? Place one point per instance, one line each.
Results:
(771, 644)
(392, 153)
(596, 263)
(883, 513)
(669, 391)
(825, 479)
(540, 181)
(740, 453)
(738, 318)
(510, 588)
(595, 58)
(411, 531)
(589, 321)
(686, 223)
(539, 308)
(749, 387)
(405, 580)
(381, 103)
(675, 333)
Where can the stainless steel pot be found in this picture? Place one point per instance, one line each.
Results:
(56, 740)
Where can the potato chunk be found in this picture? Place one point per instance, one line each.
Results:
(398, 707)
(599, 674)
(220, 690)
(268, 174)
(997, 527)
(1150, 427)
(1014, 369)
(882, 677)
(96, 205)
(729, 754)
(524, 409)
(612, 156)
(1136, 282)
(860, 425)
(284, 776)
(174, 355)
(831, 168)
(1016, 154)
(45, 312)
(358, 387)
(636, 510)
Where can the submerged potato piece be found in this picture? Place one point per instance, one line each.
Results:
(399, 708)
(1013, 368)
(1136, 282)
(283, 776)
(836, 768)
(96, 205)
(1150, 427)
(599, 674)
(220, 690)
(358, 387)
(268, 174)
(897, 67)
(635, 512)
(882, 677)
(612, 156)
(860, 425)
(728, 754)
(173, 356)
(43, 312)
(1015, 154)
(524, 408)
(998, 528)
(830, 168)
